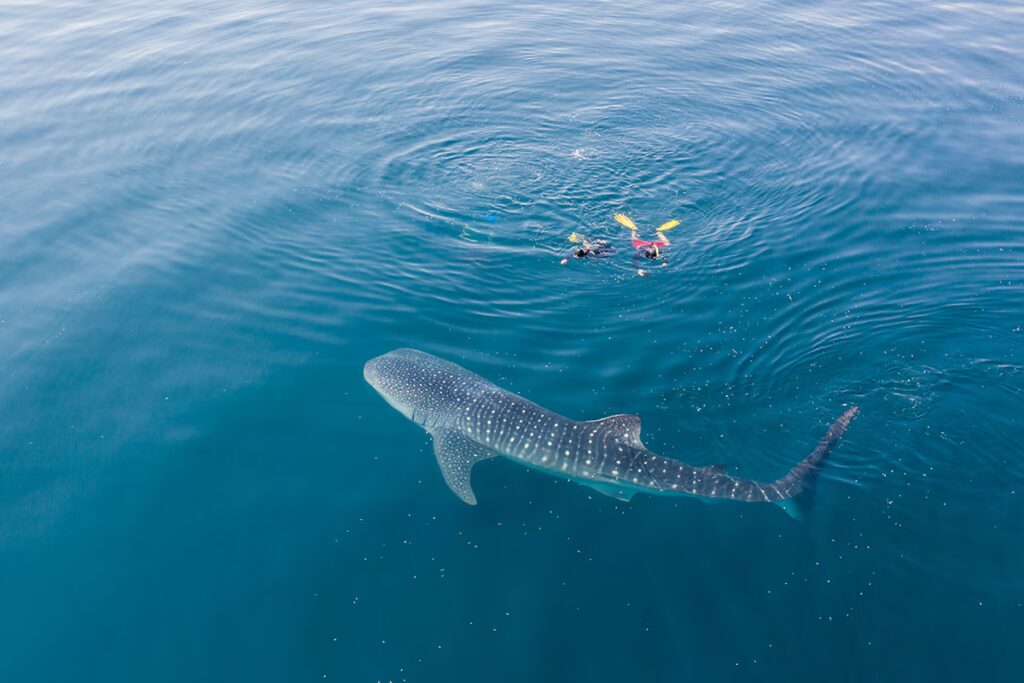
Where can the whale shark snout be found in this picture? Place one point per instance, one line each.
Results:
(370, 372)
(381, 374)
(406, 378)
(393, 371)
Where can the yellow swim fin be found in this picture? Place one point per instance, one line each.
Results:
(667, 226)
(624, 220)
(574, 238)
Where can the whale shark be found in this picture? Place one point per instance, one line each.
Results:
(471, 419)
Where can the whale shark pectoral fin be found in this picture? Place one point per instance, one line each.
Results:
(625, 427)
(456, 454)
(612, 491)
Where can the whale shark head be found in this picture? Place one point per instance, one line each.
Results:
(416, 384)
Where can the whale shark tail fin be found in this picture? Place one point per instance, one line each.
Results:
(797, 487)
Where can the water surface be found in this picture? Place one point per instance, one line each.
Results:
(213, 214)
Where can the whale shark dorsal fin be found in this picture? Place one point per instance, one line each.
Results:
(626, 427)
(456, 454)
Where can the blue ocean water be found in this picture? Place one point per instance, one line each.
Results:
(215, 213)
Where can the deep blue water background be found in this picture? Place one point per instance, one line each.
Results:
(214, 213)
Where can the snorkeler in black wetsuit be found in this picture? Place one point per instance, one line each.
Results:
(589, 249)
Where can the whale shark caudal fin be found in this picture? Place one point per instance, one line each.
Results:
(797, 487)
(456, 454)
(626, 427)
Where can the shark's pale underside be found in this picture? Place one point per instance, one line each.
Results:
(473, 420)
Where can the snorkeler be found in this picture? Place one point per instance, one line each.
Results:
(588, 249)
(650, 249)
